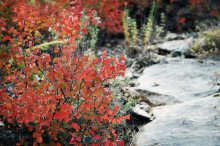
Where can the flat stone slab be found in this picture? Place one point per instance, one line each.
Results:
(192, 123)
(181, 46)
(178, 80)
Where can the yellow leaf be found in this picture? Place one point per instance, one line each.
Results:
(37, 34)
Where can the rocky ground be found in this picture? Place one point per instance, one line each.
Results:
(181, 102)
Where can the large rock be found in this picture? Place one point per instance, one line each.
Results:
(193, 123)
(154, 99)
(174, 36)
(141, 113)
(177, 47)
(178, 81)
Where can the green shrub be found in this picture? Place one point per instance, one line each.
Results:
(149, 31)
(210, 44)
(130, 29)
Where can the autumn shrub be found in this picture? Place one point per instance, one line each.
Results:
(109, 11)
(47, 84)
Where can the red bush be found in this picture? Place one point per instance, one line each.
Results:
(57, 92)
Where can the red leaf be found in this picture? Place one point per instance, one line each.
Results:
(97, 137)
(109, 143)
(84, 30)
(95, 144)
(3, 29)
(59, 116)
(94, 21)
(120, 143)
(75, 126)
(104, 54)
(72, 141)
(6, 38)
(182, 20)
(66, 107)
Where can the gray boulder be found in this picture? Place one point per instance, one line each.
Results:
(193, 123)
(177, 47)
(178, 81)
(141, 113)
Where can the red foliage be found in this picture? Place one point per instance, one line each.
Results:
(110, 12)
(65, 93)
(181, 20)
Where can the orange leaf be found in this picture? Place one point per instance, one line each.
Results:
(116, 109)
(75, 126)
(39, 139)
